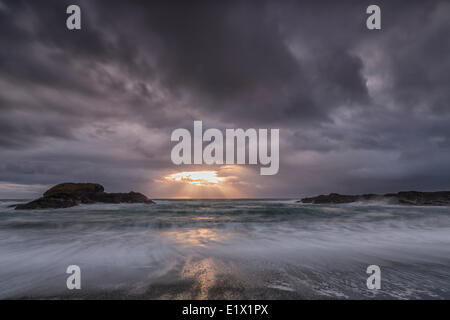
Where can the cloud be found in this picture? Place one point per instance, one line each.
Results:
(358, 110)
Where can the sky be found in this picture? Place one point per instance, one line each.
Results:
(358, 110)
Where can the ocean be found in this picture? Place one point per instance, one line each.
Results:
(225, 249)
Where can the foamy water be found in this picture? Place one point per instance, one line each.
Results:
(214, 249)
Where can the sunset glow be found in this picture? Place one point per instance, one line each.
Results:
(200, 178)
(227, 181)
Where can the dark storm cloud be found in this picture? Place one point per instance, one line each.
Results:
(358, 110)
(236, 57)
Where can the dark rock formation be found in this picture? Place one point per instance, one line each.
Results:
(74, 189)
(439, 198)
(67, 195)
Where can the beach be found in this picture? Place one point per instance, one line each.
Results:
(225, 249)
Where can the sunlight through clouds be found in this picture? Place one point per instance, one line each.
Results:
(196, 177)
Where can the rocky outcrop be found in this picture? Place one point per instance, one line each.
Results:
(67, 195)
(74, 189)
(439, 198)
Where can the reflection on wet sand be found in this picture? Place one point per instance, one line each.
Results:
(204, 274)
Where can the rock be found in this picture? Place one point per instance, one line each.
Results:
(131, 197)
(439, 198)
(66, 195)
(47, 203)
(74, 188)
